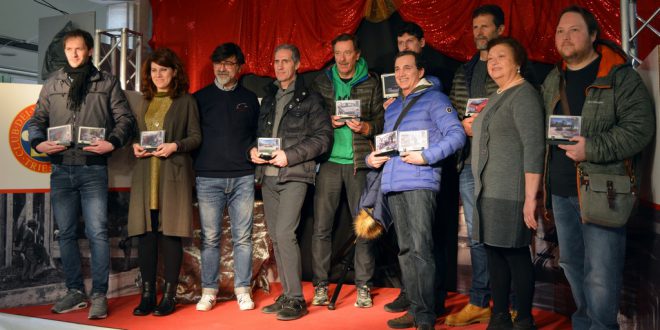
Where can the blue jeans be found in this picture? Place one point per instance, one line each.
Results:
(480, 290)
(82, 187)
(413, 213)
(592, 257)
(237, 194)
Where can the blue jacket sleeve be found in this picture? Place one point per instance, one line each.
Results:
(448, 135)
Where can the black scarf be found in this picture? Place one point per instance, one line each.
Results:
(79, 86)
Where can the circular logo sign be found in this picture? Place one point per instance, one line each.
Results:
(19, 143)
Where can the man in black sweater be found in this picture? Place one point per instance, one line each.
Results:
(225, 177)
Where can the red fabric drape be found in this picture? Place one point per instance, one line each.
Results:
(194, 28)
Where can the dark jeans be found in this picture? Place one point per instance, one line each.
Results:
(329, 182)
(282, 205)
(74, 188)
(511, 267)
(171, 246)
(413, 213)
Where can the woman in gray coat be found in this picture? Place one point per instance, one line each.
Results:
(507, 157)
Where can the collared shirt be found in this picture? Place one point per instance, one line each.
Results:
(222, 87)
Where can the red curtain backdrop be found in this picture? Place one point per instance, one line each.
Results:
(194, 28)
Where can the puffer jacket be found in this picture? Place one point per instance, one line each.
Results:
(305, 132)
(105, 106)
(370, 93)
(432, 112)
(617, 116)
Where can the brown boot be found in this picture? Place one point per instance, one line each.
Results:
(468, 315)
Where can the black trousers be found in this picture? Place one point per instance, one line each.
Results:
(511, 267)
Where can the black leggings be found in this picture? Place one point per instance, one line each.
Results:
(148, 253)
(507, 267)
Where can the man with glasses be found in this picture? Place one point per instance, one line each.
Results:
(225, 176)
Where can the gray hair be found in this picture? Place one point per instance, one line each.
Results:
(295, 53)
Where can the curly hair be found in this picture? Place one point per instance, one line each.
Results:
(167, 58)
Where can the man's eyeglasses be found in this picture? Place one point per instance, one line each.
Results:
(227, 64)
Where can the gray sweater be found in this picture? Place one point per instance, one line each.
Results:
(508, 142)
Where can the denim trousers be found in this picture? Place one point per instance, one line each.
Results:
(74, 188)
(237, 195)
(282, 207)
(329, 182)
(480, 290)
(592, 258)
(413, 213)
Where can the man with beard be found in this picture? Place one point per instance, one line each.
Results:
(225, 176)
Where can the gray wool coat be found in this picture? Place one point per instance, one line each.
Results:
(509, 141)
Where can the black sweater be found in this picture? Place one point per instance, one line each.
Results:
(228, 120)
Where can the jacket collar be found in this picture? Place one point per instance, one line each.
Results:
(61, 75)
(612, 57)
(300, 92)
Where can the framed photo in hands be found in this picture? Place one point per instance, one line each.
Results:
(562, 128)
(413, 140)
(390, 88)
(150, 140)
(60, 134)
(474, 106)
(266, 147)
(387, 144)
(348, 109)
(89, 135)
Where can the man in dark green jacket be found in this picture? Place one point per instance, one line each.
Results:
(617, 123)
(346, 80)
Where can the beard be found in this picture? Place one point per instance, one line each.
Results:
(481, 43)
(223, 79)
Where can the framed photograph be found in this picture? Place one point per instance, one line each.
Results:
(390, 88)
(150, 140)
(348, 109)
(562, 128)
(413, 140)
(89, 135)
(266, 147)
(60, 134)
(387, 144)
(474, 106)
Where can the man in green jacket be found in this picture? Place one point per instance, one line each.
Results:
(617, 123)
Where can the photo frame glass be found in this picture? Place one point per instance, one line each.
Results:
(89, 135)
(562, 128)
(266, 147)
(347, 109)
(150, 140)
(60, 134)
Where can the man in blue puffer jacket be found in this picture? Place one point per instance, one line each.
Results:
(411, 180)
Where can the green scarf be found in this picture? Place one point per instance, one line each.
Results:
(342, 149)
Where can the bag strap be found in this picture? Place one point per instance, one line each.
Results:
(405, 110)
(563, 98)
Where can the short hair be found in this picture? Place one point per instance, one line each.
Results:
(412, 29)
(167, 58)
(227, 50)
(295, 53)
(589, 19)
(79, 33)
(493, 10)
(419, 62)
(347, 37)
(519, 52)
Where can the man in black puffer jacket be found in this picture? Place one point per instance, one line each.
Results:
(296, 116)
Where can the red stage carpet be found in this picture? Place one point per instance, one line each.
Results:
(226, 315)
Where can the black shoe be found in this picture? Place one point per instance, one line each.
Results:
(400, 304)
(500, 321)
(147, 300)
(524, 324)
(292, 309)
(402, 322)
(275, 307)
(168, 303)
(425, 327)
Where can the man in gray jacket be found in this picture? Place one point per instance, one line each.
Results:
(295, 116)
(77, 96)
(617, 123)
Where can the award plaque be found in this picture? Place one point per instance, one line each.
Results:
(387, 144)
(413, 140)
(390, 88)
(562, 128)
(348, 109)
(474, 106)
(150, 140)
(266, 147)
(89, 135)
(60, 134)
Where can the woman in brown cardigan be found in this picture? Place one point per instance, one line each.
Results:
(161, 190)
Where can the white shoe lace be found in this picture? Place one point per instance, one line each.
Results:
(245, 301)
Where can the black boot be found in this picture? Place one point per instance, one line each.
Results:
(167, 304)
(147, 300)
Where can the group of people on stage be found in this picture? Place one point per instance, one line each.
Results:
(211, 143)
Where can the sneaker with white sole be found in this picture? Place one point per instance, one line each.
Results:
(73, 300)
(207, 301)
(244, 301)
(99, 307)
(320, 295)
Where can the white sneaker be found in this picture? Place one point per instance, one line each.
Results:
(244, 301)
(206, 302)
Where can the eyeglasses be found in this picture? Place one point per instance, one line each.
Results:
(227, 64)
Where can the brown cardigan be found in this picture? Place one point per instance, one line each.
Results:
(181, 125)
